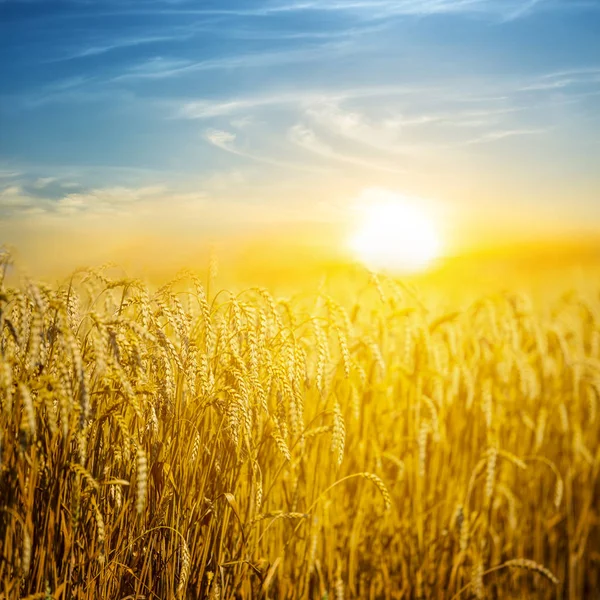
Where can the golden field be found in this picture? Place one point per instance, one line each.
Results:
(360, 437)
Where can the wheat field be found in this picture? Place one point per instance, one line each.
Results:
(181, 441)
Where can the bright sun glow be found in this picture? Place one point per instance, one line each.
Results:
(395, 235)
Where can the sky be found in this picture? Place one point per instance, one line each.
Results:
(188, 118)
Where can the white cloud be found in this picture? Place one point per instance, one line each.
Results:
(225, 141)
(157, 67)
(43, 182)
(13, 197)
(14, 200)
(503, 9)
(493, 136)
(306, 138)
(161, 69)
(206, 109)
(120, 43)
(357, 126)
(242, 122)
(346, 125)
(221, 139)
(72, 204)
(524, 9)
(6, 174)
(110, 199)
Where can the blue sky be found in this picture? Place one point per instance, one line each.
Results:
(218, 110)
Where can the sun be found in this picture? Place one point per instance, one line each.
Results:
(395, 235)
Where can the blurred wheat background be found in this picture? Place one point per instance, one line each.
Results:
(180, 441)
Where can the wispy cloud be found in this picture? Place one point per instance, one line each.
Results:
(493, 136)
(16, 200)
(307, 139)
(525, 8)
(206, 109)
(395, 120)
(225, 140)
(372, 126)
(59, 90)
(158, 67)
(107, 200)
(161, 68)
(43, 182)
(505, 10)
(329, 34)
(9, 174)
(13, 196)
(209, 108)
(147, 210)
(222, 139)
(559, 80)
(109, 45)
(364, 129)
